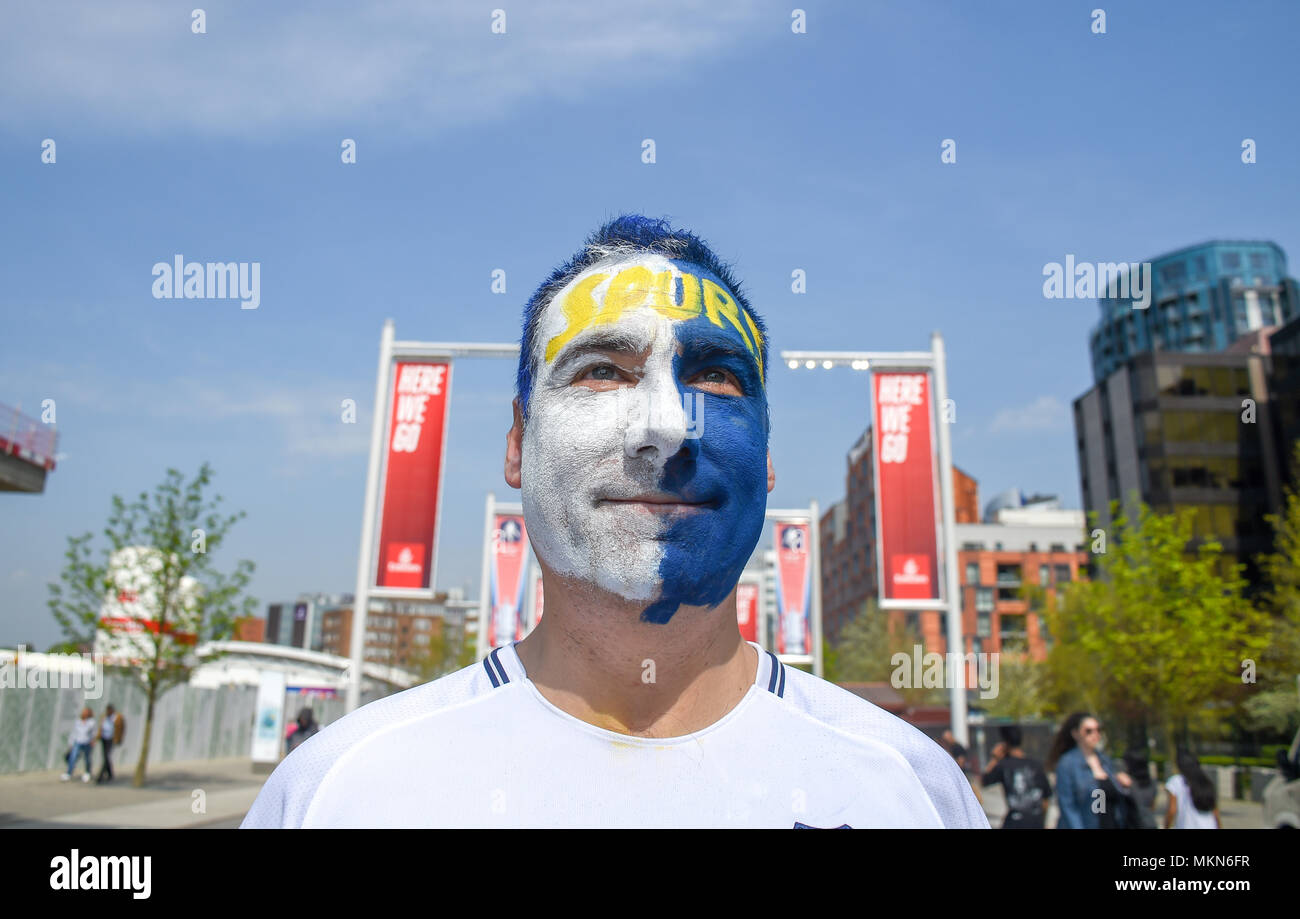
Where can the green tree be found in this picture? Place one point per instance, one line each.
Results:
(865, 650)
(1160, 636)
(1274, 703)
(442, 654)
(159, 550)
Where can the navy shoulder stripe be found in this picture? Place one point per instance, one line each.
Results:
(774, 672)
(500, 669)
(491, 673)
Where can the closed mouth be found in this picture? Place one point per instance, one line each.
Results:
(658, 504)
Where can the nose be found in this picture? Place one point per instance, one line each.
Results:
(656, 420)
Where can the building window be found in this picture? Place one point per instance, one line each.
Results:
(1062, 574)
(972, 573)
(983, 625)
(1044, 576)
(1008, 575)
(984, 599)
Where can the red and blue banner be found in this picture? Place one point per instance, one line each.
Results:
(413, 475)
(507, 566)
(794, 634)
(907, 481)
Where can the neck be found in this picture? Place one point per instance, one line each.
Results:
(592, 657)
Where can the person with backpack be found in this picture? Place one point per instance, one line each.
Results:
(1027, 790)
(306, 727)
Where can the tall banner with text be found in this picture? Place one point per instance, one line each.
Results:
(507, 569)
(412, 488)
(907, 483)
(794, 634)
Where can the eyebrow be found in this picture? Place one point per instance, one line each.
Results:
(607, 340)
(711, 350)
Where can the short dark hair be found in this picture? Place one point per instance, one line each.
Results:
(1011, 735)
(627, 234)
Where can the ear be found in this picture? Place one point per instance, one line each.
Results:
(515, 449)
(771, 473)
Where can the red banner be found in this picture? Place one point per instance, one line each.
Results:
(747, 610)
(906, 470)
(507, 566)
(413, 480)
(793, 588)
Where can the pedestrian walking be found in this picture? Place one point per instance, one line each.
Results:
(1193, 803)
(80, 741)
(1024, 781)
(1090, 789)
(307, 727)
(1142, 793)
(111, 731)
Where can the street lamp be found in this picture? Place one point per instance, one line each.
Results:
(934, 361)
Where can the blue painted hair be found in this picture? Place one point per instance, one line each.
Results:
(625, 235)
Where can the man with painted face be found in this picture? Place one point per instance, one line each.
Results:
(640, 445)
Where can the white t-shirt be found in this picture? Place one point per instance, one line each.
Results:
(1187, 817)
(483, 748)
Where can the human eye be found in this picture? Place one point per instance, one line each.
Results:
(602, 375)
(600, 372)
(717, 380)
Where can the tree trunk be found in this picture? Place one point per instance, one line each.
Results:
(143, 762)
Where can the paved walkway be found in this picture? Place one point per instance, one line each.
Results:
(228, 788)
(1235, 815)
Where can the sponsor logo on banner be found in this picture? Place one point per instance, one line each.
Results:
(509, 554)
(413, 477)
(405, 564)
(747, 610)
(906, 487)
(793, 589)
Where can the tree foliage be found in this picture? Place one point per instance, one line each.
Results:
(170, 536)
(442, 654)
(864, 650)
(1275, 704)
(1159, 636)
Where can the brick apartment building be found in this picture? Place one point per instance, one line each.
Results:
(847, 537)
(1017, 539)
(395, 635)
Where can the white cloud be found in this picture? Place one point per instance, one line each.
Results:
(264, 68)
(1046, 413)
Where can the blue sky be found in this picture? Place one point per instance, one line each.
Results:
(478, 151)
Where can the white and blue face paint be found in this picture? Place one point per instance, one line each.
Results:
(652, 487)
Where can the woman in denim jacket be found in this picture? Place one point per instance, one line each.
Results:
(1081, 770)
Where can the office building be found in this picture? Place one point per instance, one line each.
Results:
(1202, 299)
(1194, 431)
